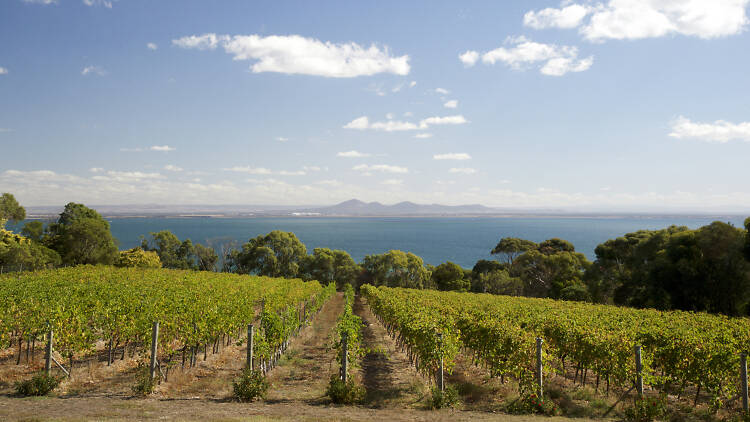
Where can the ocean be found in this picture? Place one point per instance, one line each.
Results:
(436, 240)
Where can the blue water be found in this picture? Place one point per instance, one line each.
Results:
(436, 240)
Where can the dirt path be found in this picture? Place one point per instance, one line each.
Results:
(388, 376)
(304, 370)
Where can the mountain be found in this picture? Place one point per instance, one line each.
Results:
(356, 207)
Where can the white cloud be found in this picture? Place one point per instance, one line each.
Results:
(566, 17)
(105, 3)
(127, 176)
(412, 84)
(96, 169)
(442, 91)
(152, 46)
(389, 116)
(163, 148)
(451, 104)
(363, 123)
(171, 167)
(41, 1)
(638, 19)
(469, 58)
(397, 88)
(3, 71)
(719, 131)
(452, 156)
(248, 170)
(294, 54)
(408, 114)
(353, 154)
(446, 120)
(385, 168)
(93, 70)
(393, 182)
(462, 170)
(423, 135)
(551, 59)
(291, 173)
(314, 168)
(281, 139)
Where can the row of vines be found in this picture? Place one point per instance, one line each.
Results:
(680, 349)
(87, 304)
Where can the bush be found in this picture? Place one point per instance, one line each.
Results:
(251, 384)
(447, 398)
(39, 385)
(342, 392)
(532, 403)
(646, 409)
(144, 385)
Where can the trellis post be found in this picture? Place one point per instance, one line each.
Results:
(440, 377)
(743, 377)
(539, 380)
(250, 341)
(639, 371)
(344, 356)
(48, 353)
(154, 343)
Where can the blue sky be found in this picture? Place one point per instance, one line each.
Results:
(618, 105)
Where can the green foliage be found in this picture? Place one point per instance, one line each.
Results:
(747, 239)
(33, 230)
(347, 392)
(10, 209)
(532, 404)
(206, 257)
(139, 258)
(82, 236)
(395, 269)
(144, 384)
(172, 252)
(276, 254)
(646, 409)
(250, 385)
(512, 247)
(548, 273)
(499, 282)
(40, 384)
(326, 265)
(450, 276)
(444, 399)
(19, 252)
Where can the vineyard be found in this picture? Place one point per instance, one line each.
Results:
(680, 350)
(195, 310)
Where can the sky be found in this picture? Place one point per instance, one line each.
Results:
(611, 105)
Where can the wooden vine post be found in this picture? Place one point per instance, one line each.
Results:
(639, 371)
(48, 353)
(743, 378)
(539, 367)
(344, 356)
(250, 341)
(154, 343)
(440, 377)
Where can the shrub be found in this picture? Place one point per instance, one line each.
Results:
(532, 403)
(39, 385)
(251, 384)
(342, 392)
(447, 398)
(144, 385)
(646, 409)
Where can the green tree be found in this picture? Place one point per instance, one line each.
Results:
(499, 282)
(139, 258)
(555, 245)
(10, 210)
(33, 230)
(206, 257)
(450, 276)
(18, 252)
(326, 265)
(546, 275)
(484, 266)
(512, 247)
(172, 252)
(276, 254)
(82, 236)
(395, 269)
(747, 238)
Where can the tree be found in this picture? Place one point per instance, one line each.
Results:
(138, 258)
(395, 269)
(33, 230)
(499, 282)
(172, 252)
(10, 210)
(18, 252)
(546, 275)
(206, 257)
(326, 266)
(484, 266)
(512, 247)
(747, 238)
(450, 276)
(82, 236)
(555, 245)
(276, 254)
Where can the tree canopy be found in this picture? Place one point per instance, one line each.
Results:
(82, 236)
(512, 247)
(326, 265)
(276, 254)
(450, 276)
(10, 209)
(395, 269)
